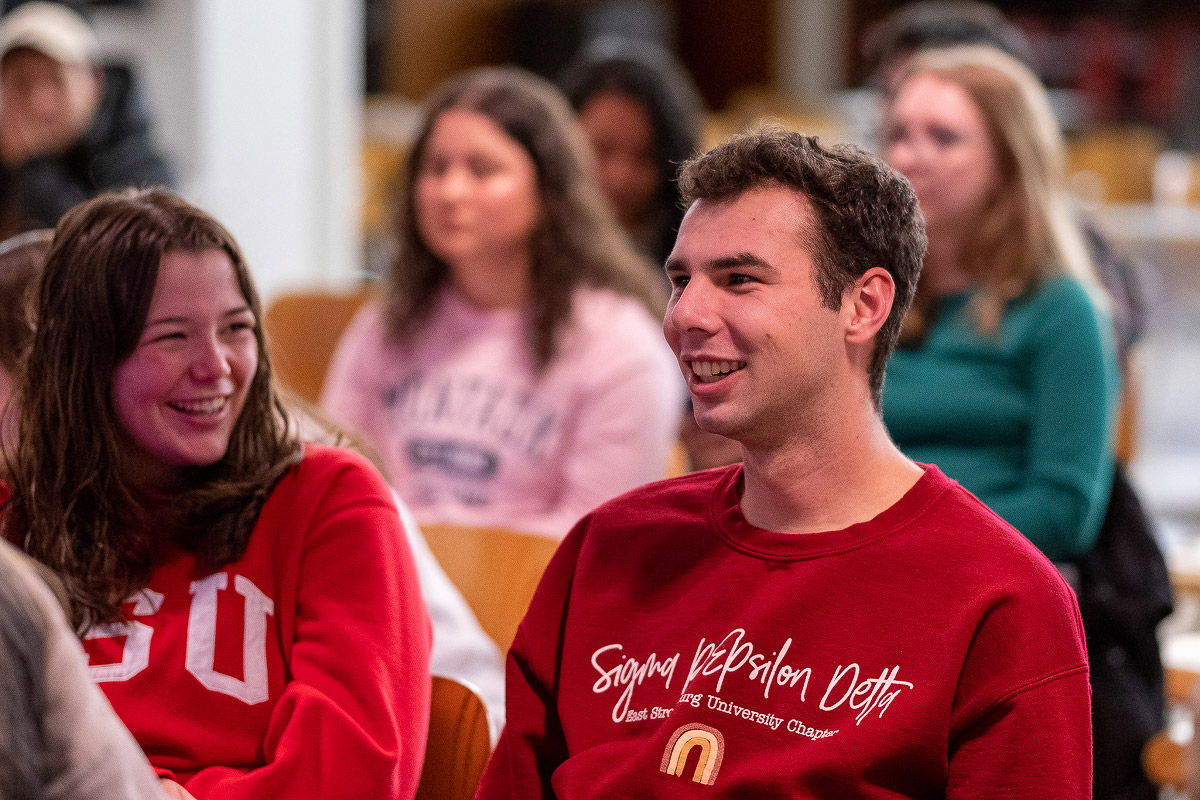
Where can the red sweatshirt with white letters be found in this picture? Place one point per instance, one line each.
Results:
(301, 670)
(673, 650)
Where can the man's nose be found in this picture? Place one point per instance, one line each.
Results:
(693, 307)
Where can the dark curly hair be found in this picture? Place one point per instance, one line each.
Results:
(866, 214)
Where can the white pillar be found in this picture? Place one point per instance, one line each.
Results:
(279, 106)
(259, 104)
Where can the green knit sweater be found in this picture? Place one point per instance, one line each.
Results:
(1023, 417)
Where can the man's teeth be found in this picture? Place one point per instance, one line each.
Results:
(212, 406)
(709, 371)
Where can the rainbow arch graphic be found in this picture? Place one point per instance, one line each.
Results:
(687, 738)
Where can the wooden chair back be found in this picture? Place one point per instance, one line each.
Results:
(1169, 763)
(497, 571)
(303, 329)
(458, 746)
(1121, 157)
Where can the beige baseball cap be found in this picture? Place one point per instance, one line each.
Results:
(51, 29)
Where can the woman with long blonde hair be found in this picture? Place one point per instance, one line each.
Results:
(1005, 376)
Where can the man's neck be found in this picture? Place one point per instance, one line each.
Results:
(826, 480)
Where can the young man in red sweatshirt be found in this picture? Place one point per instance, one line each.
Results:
(827, 619)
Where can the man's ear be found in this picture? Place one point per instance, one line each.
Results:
(867, 303)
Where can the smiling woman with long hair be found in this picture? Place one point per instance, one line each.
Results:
(247, 601)
(516, 374)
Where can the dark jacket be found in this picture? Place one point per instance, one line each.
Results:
(1125, 592)
(115, 152)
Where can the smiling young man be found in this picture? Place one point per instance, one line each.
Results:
(828, 619)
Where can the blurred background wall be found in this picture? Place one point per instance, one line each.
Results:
(261, 103)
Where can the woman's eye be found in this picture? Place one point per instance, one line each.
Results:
(483, 169)
(944, 136)
(894, 135)
(432, 166)
(169, 336)
(241, 325)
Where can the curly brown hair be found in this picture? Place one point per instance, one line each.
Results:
(577, 241)
(72, 505)
(866, 214)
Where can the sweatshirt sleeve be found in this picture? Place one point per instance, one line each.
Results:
(354, 714)
(1021, 716)
(1072, 374)
(1028, 745)
(533, 745)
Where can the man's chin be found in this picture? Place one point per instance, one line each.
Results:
(717, 424)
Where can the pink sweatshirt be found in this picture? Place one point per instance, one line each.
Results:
(471, 434)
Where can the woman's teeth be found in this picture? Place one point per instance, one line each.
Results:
(213, 406)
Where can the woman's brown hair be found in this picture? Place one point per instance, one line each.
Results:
(577, 242)
(1027, 232)
(21, 259)
(72, 506)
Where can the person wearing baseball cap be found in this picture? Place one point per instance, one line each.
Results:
(69, 128)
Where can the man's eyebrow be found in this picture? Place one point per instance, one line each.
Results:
(740, 260)
(736, 261)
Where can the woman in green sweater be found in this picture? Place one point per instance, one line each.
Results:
(1006, 375)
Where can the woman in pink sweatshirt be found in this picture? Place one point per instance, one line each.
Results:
(516, 374)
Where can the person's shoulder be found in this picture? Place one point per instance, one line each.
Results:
(1063, 295)
(978, 548)
(616, 330)
(598, 309)
(366, 341)
(322, 465)
(1060, 309)
(368, 322)
(659, 501)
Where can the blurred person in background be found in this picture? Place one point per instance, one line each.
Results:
(59, 738)
(21, 259)
(69, 128)
(1006, 372)
(247, 601)
(642, 115)
(516, 375)
(932, 24)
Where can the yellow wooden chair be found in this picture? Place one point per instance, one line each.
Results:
(458, 746)
(303, 329)
(1121, 157)
(496, 570)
